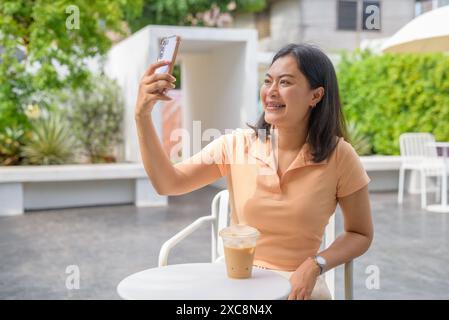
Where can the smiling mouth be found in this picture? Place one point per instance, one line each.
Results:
(275, 107)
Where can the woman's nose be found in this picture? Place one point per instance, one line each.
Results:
(272, 91)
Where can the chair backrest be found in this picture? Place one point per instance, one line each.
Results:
(415, 147)
(220, 210)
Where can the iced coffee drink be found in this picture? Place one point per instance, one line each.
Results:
(239, 243)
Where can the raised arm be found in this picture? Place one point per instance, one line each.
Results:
(165, 177)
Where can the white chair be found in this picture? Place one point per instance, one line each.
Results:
(418, 154)
(219, 219)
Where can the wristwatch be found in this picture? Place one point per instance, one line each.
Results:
(321, 262)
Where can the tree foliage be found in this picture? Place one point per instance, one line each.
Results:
(44, 45)
(186, 12)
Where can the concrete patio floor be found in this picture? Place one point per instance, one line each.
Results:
(410, 249)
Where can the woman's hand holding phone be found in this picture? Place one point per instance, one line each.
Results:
(153, 87)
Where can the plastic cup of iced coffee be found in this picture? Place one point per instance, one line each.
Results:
(239, 243)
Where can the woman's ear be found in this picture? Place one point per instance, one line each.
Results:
(318, 94)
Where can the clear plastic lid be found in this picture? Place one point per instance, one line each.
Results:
(239, 231)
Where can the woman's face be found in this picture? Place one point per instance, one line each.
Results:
(286, 94)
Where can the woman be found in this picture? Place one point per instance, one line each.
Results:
(297, 167)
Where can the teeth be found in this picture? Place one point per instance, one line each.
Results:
(276, 106)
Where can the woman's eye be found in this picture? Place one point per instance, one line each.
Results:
(285, 82)
(266, 81)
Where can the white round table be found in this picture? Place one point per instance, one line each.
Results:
(202, 281)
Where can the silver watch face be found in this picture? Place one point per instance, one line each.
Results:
(321, 260)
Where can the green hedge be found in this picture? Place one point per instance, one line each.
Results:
(389, 94)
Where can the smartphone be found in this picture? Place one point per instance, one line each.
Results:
(168, 51)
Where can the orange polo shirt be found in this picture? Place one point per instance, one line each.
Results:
(290, 212)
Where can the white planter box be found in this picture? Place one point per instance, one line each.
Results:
(383, 171)
(62, 186)
(384, 174)
(45, 187)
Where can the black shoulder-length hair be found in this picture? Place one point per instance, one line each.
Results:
(326, 121)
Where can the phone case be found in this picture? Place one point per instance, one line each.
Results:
(168, 51)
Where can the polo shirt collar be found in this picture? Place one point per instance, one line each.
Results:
(265, 151)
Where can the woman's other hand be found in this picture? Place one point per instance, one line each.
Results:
(303, 280)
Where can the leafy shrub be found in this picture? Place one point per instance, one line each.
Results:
(358, 139)
(42, 49)
(50, 142)
(11, 142)
(390, 94)
(96, 118)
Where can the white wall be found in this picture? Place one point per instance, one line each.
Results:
(219, 70)
(285, 22)
(315, 21)
(320, 23)
(207, 79)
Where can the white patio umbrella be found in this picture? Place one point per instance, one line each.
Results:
(428, 32)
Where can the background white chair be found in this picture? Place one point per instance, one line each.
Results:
(418, 154)
(219, 219)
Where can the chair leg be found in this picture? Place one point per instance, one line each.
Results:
(438, 190)
(349, 285)
(423, 190)
(444, 187)
(401, 185)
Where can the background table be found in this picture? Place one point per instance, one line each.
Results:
(202, 281)
(443, 207)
